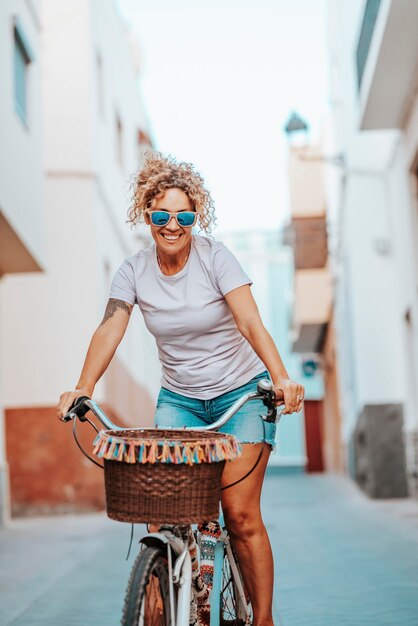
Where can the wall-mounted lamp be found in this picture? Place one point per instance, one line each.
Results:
(296, 128)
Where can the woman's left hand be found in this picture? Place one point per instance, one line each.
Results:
(292, 394)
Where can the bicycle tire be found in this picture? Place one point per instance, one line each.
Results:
(147, 599)
(232, 611)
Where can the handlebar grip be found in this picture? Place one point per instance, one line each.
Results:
(78, 408)
(265, 387)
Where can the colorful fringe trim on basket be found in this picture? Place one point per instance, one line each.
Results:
(129, 450)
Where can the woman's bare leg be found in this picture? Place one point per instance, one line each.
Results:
(241, 508)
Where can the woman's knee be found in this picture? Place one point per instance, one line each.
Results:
(241, 521)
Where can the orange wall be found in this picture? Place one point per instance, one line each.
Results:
(48, 473)
(313, 435)
(47, 470)
(332, 442)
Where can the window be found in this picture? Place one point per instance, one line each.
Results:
(22, 59)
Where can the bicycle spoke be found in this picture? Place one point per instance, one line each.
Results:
(151, 612)
(231, 613)
(228, 601)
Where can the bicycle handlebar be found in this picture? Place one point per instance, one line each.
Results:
(83, 405)
(264, 392)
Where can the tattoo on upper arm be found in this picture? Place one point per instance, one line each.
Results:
(112, 306)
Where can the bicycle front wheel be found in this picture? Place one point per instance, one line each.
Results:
(147, 599)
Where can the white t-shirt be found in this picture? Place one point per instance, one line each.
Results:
(201, 350)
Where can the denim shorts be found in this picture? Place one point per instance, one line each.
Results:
(177, 411)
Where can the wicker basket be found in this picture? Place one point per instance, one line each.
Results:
(164, 476)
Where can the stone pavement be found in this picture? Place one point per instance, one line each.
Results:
(341, 560)
(63, 571)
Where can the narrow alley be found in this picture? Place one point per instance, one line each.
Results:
(341, 560)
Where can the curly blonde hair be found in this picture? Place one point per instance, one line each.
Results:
(160, 172)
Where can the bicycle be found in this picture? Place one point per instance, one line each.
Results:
(159, 590)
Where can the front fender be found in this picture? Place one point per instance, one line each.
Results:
(161, 540)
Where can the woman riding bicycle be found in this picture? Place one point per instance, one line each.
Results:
(213, 347)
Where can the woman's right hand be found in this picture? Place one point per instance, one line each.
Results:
(67, 400)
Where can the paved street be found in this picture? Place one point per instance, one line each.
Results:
(341, 560)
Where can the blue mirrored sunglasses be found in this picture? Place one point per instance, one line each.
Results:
(183, 218)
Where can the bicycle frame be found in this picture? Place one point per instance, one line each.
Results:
(180, 575)
(180, 571)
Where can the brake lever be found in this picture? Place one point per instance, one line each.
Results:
(78, 409)
(265, 387)
(269, 401)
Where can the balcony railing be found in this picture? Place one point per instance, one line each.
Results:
(366, 33)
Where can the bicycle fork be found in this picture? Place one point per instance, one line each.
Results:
(182, 577)
(179, 574)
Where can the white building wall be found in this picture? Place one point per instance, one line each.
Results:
(47, 330)
(405, 242)
(86, 201)
(368, 331)
(119, 65)
(67, 88)
(21, 197)
(269, 264)
(372, 278)
(21, 144)
(373, 212)
(404, 186)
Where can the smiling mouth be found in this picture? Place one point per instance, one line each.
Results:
(170, 237)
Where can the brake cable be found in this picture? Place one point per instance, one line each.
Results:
(253, 467)
(236, 482)
(86, 419)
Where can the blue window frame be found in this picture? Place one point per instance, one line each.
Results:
(22, 57)
(371, 12)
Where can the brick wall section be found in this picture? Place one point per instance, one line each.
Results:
(48, 473)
